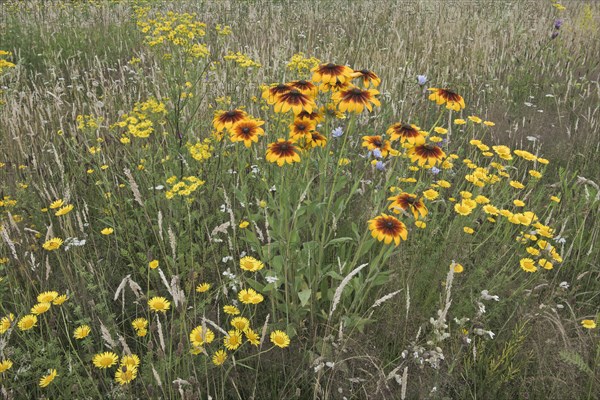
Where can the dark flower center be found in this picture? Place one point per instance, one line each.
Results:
(356, 92)
(245, 130)
(365, 71)
(407, 127)
(389, 224)
(330, 66)
(231, 113)
(302, 83)
(301, 127)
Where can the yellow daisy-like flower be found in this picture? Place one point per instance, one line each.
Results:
(488, 123)
(47, 297)
(233, 340)
(130, 361)
(458, 268)
(40, 308)
(463, 209)
(81, 332)
(280, 339)
(231, 310)
(125, 374)
(219, 357)
(332, 73)
(244, 224)
(247, 131)
(420, 224)
(105, 360)
(356, 100)
(468, 230)
(475, 119)
(283, 151)
(203, 287)
(47, 379)
(516, 184)
(56, 204)
(588, 323)
(6, 323)
(518, 203)
(60, 299)
(139, 323)
(27, 322)
(430, 194)
(52, 244)
(226, 119)
(555, 199)
(252, 337)
(64, 210)
(199, 337)
(107, 231)
(240, 323)
(528, 265)
(159, 304)
(5, 365)
(459, 121)
(250, 296)
(426, 153)
(251, 264)
(545, 263)
(153, 264)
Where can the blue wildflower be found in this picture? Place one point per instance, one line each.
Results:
(337, 132)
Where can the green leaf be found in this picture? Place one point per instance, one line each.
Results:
(304, 296)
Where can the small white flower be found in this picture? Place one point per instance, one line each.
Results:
(563, 285)
(485, 295)
(271, 279)
(227, 258)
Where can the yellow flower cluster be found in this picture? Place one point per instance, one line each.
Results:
(184, 187)
(180, 30)
(223, 30)
(301, 64)
(7, 202)
(201, 151)
(141, 121)
(4, 64)
(88, 122)
(242, 60)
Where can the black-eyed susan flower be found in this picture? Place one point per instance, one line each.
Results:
(27, 322)
(388, 228)
(377, 143)
(226, 119)
(233, 340)
(316, 139)
(283, 151)
(251, 264)
(426, 153)
(301, 128)
(105, 360)
(247, 131)
(315, 116)
(453, 100)
(219, 357)
(330, 73)
(294, 100)
(200, 336)
(354, 99)
(334, 87)
(368, 77)
(280, 339)
(270, 94)
(159, 304)
(81, 332)
(48, 378)
(408, 202)
(52, 244)
(406, 133)
(306, 87)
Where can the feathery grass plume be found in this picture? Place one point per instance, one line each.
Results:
(161, 337)
(160, 226)
(134, 187)
(263, 333)
(156, 377)
(9, 243)
(172, 242)
(106, 336)
(404, 383)
(338, 292)
(385, 298)
(214, 325)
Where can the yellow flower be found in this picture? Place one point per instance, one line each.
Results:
(199, 337)
(251, 264)
(233, 340)
(250, 296)
(488, 123)
(52, 244)
(458, 268)
(6, 322)
(462, 209)
(420, 224)
(130, 361)
(545, 263)
(47, 379)
(219, 357)
(27, 322)
(252, 337)
(528, 265)
(440, 130)
(516, 184)
(244, 224)
(555, 199)
(47, 297)
(64, 210)
(56, 204)
(81, 332)
(203, 287)
(475, 119)
(105, 360)
(159, 304)
(60, 299)
(125, 374)
(444, 184)
(460, 121)
(5, 365)
(153, 264)
(40, 308)
(280, 339)
(535, 174)
(231, 310)
(518, 203)
(240, 323)
(468, 230)
(588, 323)
(107, 231)
(430, 194)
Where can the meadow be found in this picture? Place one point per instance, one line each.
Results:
(296, 199)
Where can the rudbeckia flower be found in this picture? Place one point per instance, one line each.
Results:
(387, 228)
(247, 131)
(330, 73)
(316, 139)
(377, 143)
(283, 151)
(294, 100)
(355, 100)
(406, 133)
(306, 87)
(453, 100)
(368, 77)
(426, 153)
(270, 94)
(301, 128)
(226, 119)
(408, 202)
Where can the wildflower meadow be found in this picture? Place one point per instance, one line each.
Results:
(295, 199)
